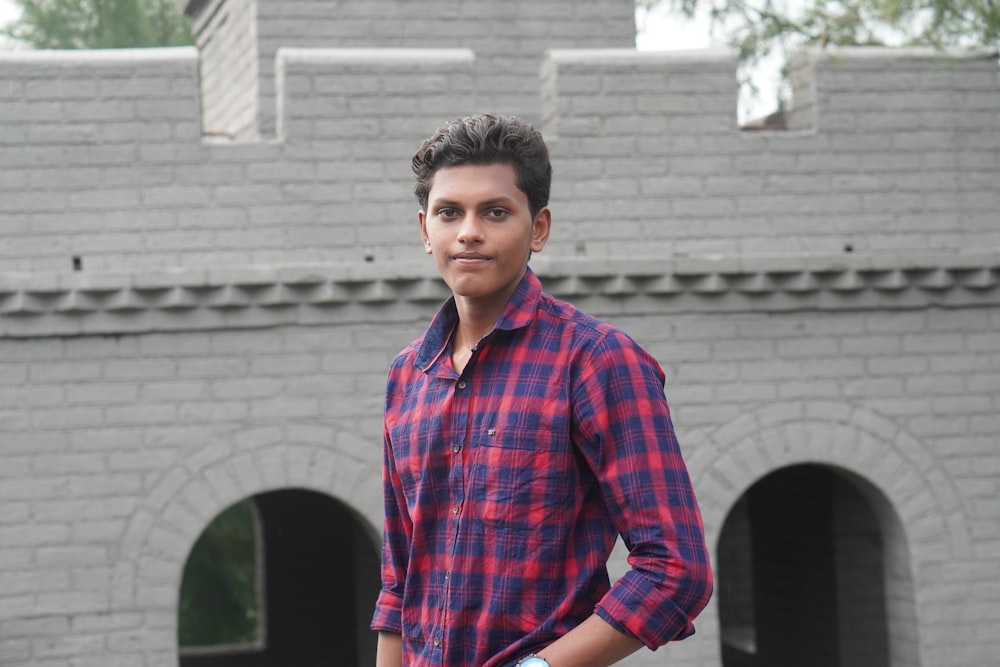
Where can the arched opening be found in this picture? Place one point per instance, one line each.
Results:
(805, 564)
(283, 578)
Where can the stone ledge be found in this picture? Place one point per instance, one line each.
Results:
(39, 305)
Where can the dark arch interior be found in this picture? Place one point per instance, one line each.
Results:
(801, 574)
(320, 580)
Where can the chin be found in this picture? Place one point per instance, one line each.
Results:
(473, 289)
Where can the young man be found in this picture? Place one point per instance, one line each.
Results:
(521, 437)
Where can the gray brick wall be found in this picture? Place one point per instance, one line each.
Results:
(117, 451)
(509, 40)
(239, 300)
(647, 157)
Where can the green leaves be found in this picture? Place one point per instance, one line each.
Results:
(756, 26)
(99, 24)
(757, 29)
(218, 603)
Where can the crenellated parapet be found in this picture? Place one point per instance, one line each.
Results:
(241, 38)
(105, 166)
(890, 151)
(897, 92)
(371, 103)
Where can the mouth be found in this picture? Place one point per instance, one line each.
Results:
(470, 258)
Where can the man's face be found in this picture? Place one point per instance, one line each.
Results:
(479, 228)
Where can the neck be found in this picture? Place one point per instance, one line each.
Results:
(473, 323)
(476, 318)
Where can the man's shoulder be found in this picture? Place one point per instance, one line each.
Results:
(591, 335)
(405, 357)
(566, 315)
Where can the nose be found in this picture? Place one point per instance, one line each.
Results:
(470, 229)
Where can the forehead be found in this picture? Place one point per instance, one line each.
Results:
(476, 182)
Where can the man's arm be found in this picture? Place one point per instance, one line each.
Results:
(593, 643)
(628, 439)
(390, 650)
(387, 619)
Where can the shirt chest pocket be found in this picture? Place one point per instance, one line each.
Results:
(523, 479)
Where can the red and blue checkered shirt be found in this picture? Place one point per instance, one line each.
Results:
(507, 485)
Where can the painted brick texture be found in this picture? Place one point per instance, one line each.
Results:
(128, 422)
(647, 158)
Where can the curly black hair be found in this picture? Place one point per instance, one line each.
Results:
(487, 139)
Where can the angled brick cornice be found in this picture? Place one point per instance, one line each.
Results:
(37, 305)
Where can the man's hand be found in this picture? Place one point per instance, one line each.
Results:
(593, 643)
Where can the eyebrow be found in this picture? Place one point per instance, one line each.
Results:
(489, 202)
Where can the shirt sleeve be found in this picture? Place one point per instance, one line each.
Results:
(627, 436)
(396, 531)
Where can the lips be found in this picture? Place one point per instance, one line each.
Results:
(471, 257)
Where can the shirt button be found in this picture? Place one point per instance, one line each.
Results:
(455, 447)
(456, 509)
(462, 384)
(437, 641)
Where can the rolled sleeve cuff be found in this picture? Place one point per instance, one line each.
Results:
(388, 615)
(634, 613)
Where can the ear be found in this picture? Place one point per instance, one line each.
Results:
(540, 228)
(422, 218)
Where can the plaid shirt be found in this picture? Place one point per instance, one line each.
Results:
(507, 486)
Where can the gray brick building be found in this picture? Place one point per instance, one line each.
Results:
(209, 256)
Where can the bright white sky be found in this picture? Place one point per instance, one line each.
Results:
(657, 30)
(8, 11)
(660, 29)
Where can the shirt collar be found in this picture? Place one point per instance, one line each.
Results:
(518, 313)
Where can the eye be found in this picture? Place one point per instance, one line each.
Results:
(447, 213)
(496, 214)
